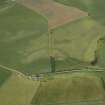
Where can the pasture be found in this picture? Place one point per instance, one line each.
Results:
(23, 40)
(17, 90)
(77, 40)
(70, 89)
(26, 27)
(25, 43)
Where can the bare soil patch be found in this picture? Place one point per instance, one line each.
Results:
(57, 14)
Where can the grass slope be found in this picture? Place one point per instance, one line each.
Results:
(18, 90)
(77, 40)
(4, 75)
(70, 88)
(95, 8)
(23, 40)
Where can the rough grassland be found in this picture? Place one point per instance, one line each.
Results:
(57, 14)
(77, 39)
(95, 8)
(67, 89)
(18, 91)
(23, 40)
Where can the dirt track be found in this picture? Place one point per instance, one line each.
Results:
(57, 14)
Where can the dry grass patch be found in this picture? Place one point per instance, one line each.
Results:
(68, 89)
(17, 90)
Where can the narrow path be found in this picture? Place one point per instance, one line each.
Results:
(10, 69)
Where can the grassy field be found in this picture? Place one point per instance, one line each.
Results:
(24, 44)
(23, 40)
(66, 89)
(95, 8)
(4, 76)
(76, 40)
(17, 90)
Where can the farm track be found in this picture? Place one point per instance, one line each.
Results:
(67, 70)
(13, 70)
(92, 102)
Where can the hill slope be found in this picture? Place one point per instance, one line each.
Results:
(21, 31)
(77, 40)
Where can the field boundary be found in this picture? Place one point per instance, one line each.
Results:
(60, 25)
(64, 70)
(67, 70)
(45, 17)
(54, 21)
(79, 102)
(10, 69)
(37, 87)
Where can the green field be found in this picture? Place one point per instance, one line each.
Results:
(4, 76)
(23, 40)
(66, 89)
(95, 8)
(76, 40)
(25, 46)
(17, 90)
